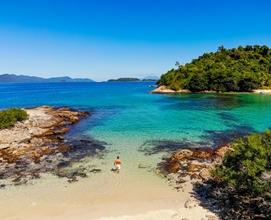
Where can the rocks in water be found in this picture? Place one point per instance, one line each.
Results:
(182, 154)
(143, 166)
(95, 170)
(38, 145)
(71, 173)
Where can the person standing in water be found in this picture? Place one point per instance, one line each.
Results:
(117, 164)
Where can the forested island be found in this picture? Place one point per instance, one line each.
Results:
(241, 69)
(131, 79)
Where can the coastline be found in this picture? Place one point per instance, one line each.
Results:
(38, 145)
(164, 90)
(23, 148)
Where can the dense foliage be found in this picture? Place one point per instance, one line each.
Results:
(248, 167)
(237, 69)
(9, 117)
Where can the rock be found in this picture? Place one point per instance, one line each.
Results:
(173, 167)
(204, 174)
(203, 153)
(194, 166)
(72, 179)
(211, 217)
(95, 170)
(221, 151)
(38, 145)
(142, 166)
(180, 155)
(190, 204)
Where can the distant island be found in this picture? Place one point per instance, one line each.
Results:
(124, 80)
(241, 69)
(12, 78)
(131, 79)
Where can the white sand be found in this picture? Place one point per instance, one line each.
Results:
(100, 196)
(262, 91)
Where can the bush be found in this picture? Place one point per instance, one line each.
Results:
(9, 117)
(243, 168)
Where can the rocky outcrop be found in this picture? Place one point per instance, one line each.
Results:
(191, 164)
(38, 145)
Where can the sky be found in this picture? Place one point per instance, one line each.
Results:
(102, 39)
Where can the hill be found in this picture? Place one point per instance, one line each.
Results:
(12, 78)
(239, 69)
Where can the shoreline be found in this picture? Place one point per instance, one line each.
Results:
(38, 145)
(164, 90)
(24, 146)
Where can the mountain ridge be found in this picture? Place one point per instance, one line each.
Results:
(13, 78)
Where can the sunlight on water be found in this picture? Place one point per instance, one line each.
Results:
(127, 117)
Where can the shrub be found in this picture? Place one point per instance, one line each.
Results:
(243, 168)
(9, 117)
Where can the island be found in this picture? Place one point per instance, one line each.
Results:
(132, 79)
(124, 79)
(13, 78)
(242, 69)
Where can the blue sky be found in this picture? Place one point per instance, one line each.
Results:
(103, 39)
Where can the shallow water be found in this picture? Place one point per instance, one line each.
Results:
(139, 127)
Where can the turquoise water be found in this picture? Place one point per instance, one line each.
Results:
(127, 117)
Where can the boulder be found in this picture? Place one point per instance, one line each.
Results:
(205, 173)
(173, 166)
(182, 154)
(194, 166)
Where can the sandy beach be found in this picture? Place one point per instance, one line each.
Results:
(55, 199)
(165, 90)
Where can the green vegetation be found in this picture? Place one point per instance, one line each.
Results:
(9, 117)
(238, 69)
(248, 167)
